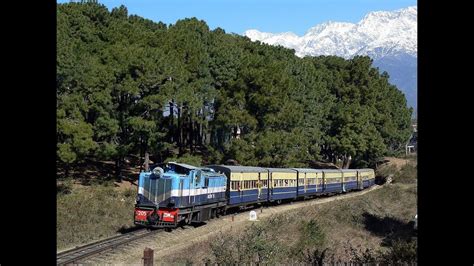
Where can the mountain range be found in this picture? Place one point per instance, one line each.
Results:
(388, 37)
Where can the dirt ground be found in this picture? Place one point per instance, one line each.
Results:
(183, 239)
(398, 162)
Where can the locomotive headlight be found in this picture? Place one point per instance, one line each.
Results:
(158, 171)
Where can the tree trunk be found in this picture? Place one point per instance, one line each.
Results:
(147, 162)
(171, 120)
(200, 134)
(179, 132)
(191, 134)
(141, 153)
(118, 168)
(347, 162)
(66, 170)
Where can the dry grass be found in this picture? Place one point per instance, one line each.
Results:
(338, 231)
(379, 221)
(88, 213)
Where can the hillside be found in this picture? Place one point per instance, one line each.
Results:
(360, 227)
(127, 86)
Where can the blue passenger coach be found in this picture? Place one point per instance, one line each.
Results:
(283, 184)
(310, 181)
(350, 179)
(246, 184)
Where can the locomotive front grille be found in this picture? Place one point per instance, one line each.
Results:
(157, 189)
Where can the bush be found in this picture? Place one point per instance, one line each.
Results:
(258, 243)
(401, 252)
(222, 248)
(385, 171)
(407, 175)
(314, 256)
(187, 158)
(363, 256)
(312, 234)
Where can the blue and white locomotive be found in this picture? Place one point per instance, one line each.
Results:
(174, 193)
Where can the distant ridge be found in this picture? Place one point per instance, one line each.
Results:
(388, 37)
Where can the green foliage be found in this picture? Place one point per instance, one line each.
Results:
(187, 158)
(312, 234)
(127, 85)
(257, 244)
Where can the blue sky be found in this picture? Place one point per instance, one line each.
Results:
(264, 15)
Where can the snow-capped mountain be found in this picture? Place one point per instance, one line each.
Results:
(388, 37)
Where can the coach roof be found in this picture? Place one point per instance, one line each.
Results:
(238, 168)
(282, 170)
(308, 170)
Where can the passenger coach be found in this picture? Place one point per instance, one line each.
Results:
(247, 185)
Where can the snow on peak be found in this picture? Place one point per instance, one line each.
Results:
(378, 34)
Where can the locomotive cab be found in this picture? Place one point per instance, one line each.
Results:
(172, 193)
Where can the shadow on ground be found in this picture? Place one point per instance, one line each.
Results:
(391, 229)
(125, 229)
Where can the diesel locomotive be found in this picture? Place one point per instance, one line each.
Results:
(174, 194)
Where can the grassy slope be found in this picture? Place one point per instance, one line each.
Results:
(88, 213)
(374, 220)
(375, 226)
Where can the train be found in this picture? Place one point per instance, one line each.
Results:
(174, 194)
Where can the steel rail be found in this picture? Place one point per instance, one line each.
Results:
(89, 250)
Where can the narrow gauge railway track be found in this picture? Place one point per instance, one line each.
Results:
(81, 253)
(77, 254)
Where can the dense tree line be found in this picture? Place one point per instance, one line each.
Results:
(129, 86)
